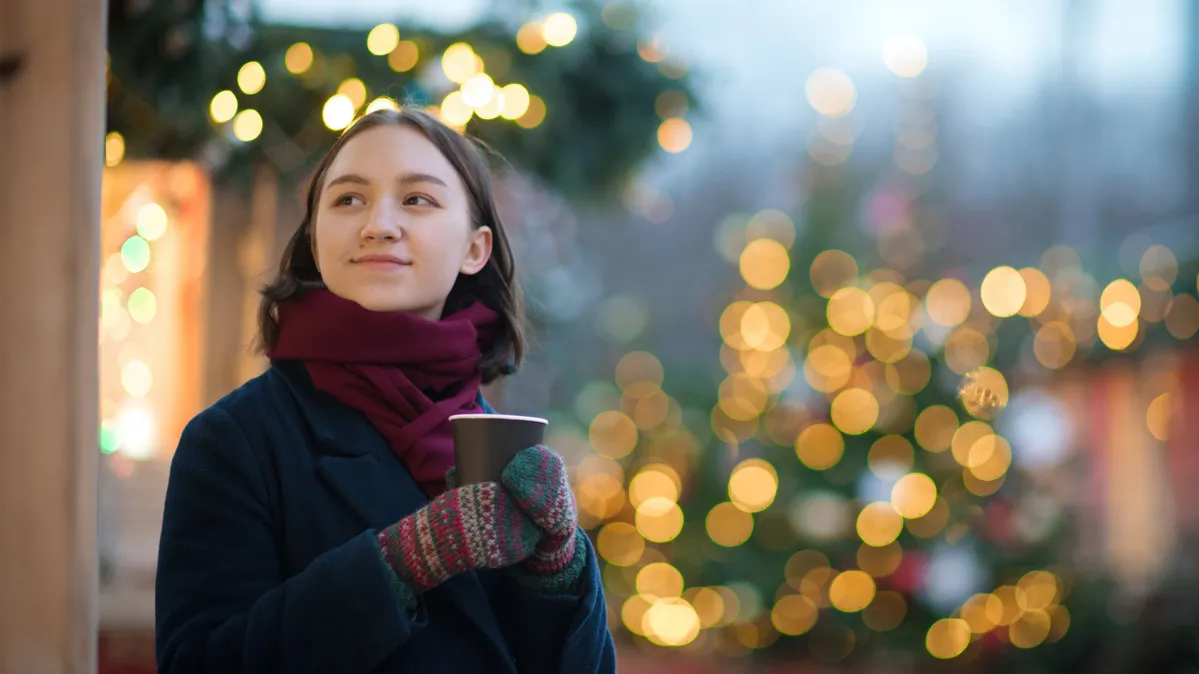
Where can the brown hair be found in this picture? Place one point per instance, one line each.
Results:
(495, 285)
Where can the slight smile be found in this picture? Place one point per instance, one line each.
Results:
(385, 262)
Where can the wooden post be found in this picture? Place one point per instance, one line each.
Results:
(52, 85)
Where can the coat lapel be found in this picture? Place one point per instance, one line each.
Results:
(359, 466)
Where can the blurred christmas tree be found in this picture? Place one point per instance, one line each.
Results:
(574, 98)
(853, 495)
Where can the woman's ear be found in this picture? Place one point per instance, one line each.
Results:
(478, 251)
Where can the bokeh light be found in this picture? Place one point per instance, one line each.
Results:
(1038, 292)
(382, 103)
(1120, 304)
(850, 311)
(935, 428)
(794, 614)
(674, 135)
(752, 485)
(298, 58)
(967, 349)
(478, 90)
(910, 374)
(459, 62)
(708, 604)
(851, 591)
(879, 562)
(151, 221)
(613, 434)
(142, 305)
(338, 112)
(854, 411)
(1003, 291)
(764, 264)
(947, 638)
(353, 89)
(632, 613)
(914, 495)
(404, 57)
(620, 544)
(114, 148)
(530, 39)
(765, 326)
(1159, 268)
(886, 612)
(671, 622)
(729, 525)
(559, 29)
(382, 39)
(1114, 337)
(830, 92)
(1182, 316)
(251, 77)
(659, 580)
(1030, 630)
(223, 106)
(535, 115)
(659, 520)
(828, 368)
(247, 125)
(832, 270)
(905, 54)
(965, 437)
(890, 453)
(653, 482)
(1158, 416)
(1054, 345)
(984, 391)
(932, 523)
(948, 302)
(454, 110)
(878, 524)
(516, 101)
(135, 254)
(982, 612)
(136, 378)
(820, 446)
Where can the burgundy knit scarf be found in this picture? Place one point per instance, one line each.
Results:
(407, 374)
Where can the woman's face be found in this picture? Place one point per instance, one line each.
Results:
(392, 228)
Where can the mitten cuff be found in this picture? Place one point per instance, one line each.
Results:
(554, 570)
(403, 591)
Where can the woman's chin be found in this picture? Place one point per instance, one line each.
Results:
(392, 304)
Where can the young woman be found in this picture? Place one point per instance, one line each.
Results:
(312, 523)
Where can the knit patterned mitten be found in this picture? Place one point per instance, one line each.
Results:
(538, 481)
(477, 526)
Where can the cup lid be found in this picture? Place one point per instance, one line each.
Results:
(510, 417)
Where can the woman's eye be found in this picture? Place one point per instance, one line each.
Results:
(417, 200)
(346, 200)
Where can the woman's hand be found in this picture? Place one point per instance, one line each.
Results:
(478, 526)
(538, 482)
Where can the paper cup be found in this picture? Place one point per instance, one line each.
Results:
(485, 443)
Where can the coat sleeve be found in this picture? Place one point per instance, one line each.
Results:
(560, 634)
(222, 603)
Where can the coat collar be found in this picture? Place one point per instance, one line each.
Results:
(341, 429)
(359, 466)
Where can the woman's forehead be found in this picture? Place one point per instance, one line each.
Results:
(391, 149)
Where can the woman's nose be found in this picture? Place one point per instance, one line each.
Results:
(383, 222)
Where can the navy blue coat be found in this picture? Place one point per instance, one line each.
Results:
(268, 561)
